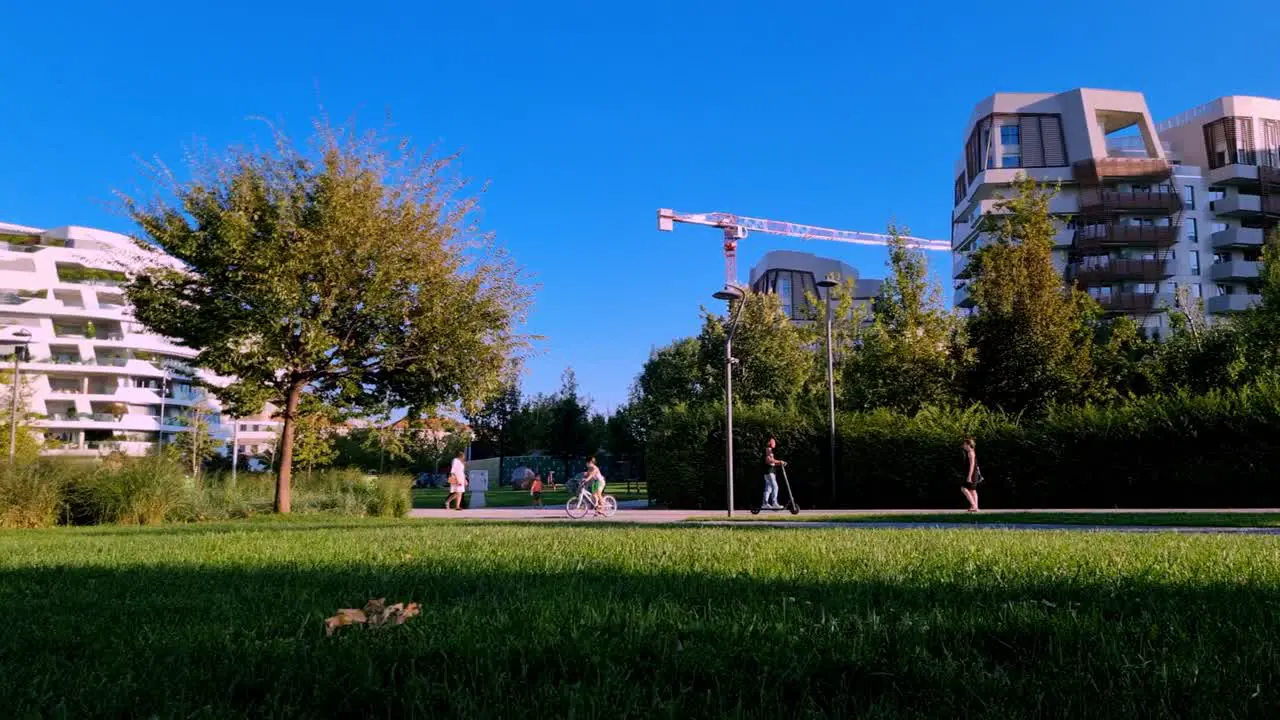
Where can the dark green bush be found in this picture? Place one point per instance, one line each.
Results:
(1220, 449)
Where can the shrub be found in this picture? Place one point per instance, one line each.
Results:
(32, 493)
(133, 491)
(1182, 450)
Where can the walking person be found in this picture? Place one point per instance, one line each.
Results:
(770, 501)
(973, 475)
(535, 489)
(457, 483)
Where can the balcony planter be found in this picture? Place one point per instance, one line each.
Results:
(90, 330)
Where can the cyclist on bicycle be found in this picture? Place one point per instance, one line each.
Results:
(595, 483)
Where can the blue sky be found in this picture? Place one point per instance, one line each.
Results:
(587, 117)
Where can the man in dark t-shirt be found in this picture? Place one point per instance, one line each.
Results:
(770, 501)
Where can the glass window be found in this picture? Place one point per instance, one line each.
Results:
(1189, 196)
(1196, 290)
(1216, 194)
(1219, 227)
(1145, 288)
(1009, 135)
(1195, 263)
(1192, 230)
(784, 293)
(1010, 161)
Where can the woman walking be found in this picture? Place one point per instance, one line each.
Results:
(973, 476)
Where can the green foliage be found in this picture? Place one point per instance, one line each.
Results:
(493, 421)
(353, 271)
(1177, 450)
(197, 444)
(1031, 337)
(77, 274)
(313, 440)
(773, 364)
(32, 491)
(133, 491)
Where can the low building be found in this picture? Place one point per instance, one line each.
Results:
(793, 277)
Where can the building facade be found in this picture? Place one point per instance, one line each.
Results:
(794, 276)
(95, 380)
(1144, 209)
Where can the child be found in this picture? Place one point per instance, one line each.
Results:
(595, 483)
(536, 491)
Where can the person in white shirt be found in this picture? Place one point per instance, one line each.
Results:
(457, 483)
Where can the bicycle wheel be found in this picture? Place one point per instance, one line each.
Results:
(610, 506)
(575, 507)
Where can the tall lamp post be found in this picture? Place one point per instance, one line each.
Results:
(828, 284)
(20, 339)
(729, 294)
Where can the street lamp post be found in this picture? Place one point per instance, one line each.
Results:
(729, 294)
(830, 283)
(20, 338)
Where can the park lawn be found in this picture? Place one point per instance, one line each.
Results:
(1115, 519)
(506, 497)
(603, 620)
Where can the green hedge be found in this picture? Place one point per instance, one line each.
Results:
(1216, 450)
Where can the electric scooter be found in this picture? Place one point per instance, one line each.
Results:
(791, 498)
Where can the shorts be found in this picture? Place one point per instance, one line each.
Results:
(968, 485)
(596, 486)
(537, 496)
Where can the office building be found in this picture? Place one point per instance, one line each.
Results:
(1144, 208)
(794, 276)
(96, 380)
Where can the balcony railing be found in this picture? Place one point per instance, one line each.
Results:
(1129, 302)
(1102, 236)
(1131, 269)
(1157, 201)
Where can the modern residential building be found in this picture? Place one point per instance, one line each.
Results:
(96, 380)
(795, 275)
(1144, 208)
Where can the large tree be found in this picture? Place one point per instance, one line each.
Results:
(773, 363)
(493, 421)
(351, 269)
(905, 359)
(1031, 339)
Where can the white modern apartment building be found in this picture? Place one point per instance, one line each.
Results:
(793, 276)
(96, 380)
(1144, 208)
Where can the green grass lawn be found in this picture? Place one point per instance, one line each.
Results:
(1119, 518)
(523, 620)
(506, 497)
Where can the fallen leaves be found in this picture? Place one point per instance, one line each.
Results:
(376, 613)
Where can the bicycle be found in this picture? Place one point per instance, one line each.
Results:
(578, 505)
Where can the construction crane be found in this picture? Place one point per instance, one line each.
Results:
(735, 229)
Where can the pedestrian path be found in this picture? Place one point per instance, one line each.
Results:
(637, 512)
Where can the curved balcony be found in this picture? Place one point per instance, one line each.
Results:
(1111, 236)
(1232, 303)
(1093, 170)
(1160, 202)
(1136, 303)
(1115, 270)
(1235, 270)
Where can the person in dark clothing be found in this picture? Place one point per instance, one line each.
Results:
(973, 476)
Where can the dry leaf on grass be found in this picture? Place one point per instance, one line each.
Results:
(376, 613)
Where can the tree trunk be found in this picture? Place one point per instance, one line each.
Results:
(284, 475)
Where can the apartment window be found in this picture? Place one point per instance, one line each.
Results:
(1196, 290)
(1100, 293)
(1010, 160)
(1217, 194)
(1192, 230)
(1195, 262)
(1224, 290)
(1219, 227)
(1009, 135)
(784, 293)
(1145, 288)
(1189, 196)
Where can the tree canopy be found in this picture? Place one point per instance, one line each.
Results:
(351, 269)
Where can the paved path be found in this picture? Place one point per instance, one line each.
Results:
(635, 511)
